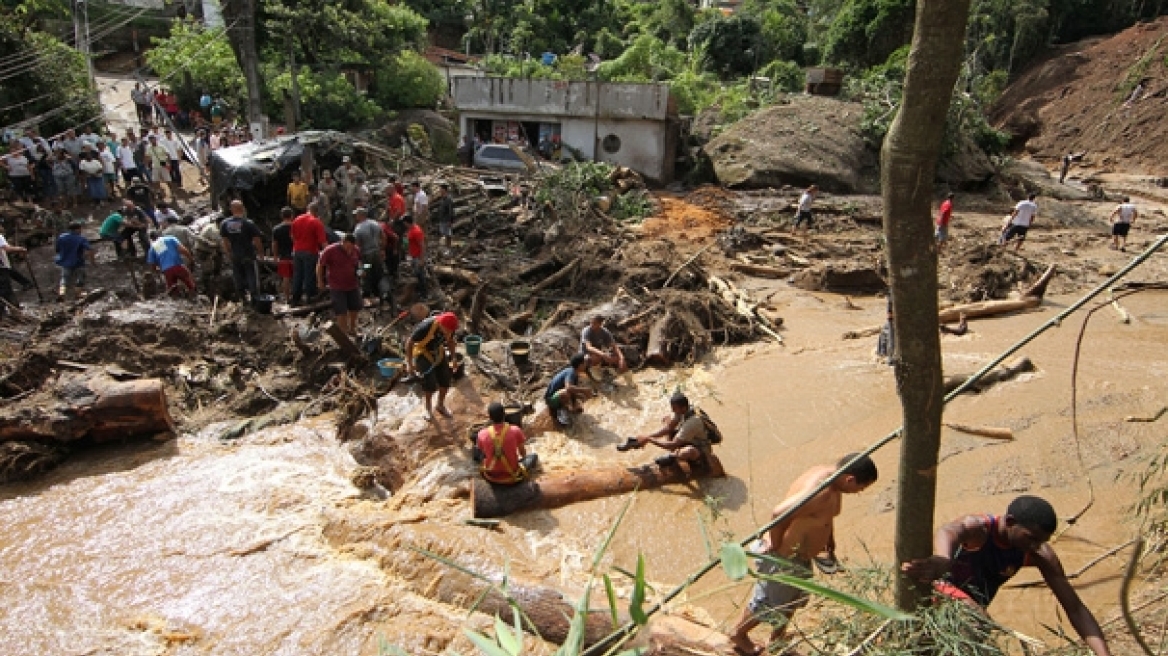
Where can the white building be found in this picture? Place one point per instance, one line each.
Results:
(633, 125)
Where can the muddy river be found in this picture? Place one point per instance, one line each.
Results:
(263, 546)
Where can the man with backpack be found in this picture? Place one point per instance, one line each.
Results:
(688, 434)
(505, 460)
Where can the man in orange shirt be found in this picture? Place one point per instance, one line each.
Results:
(416, 245)
(396, 204)
(505, 460)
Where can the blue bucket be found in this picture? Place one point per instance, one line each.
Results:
(389, 367)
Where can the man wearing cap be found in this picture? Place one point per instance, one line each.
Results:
(683, 435)
(175, 228)
(564, 392)
(502, 445)
(421, 204)
(308, 240)
(428, 349)
(166, 255)
(371, 243)
(600, 346)
(72, 250)
(337, 269)
(348, 176)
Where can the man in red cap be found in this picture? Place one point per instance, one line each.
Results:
(429, 347)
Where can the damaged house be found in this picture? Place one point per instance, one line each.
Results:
(631, 125)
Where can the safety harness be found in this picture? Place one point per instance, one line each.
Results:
(514, 474)
(420, 347)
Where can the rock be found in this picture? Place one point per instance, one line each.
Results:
(968, 169)
(1028, 176)
(807, 140)
(856, 279)
(441, 131)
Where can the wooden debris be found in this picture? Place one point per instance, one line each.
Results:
(993, 432)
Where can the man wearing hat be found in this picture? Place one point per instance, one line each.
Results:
(428, 349)
(505, 457)
(72, 250)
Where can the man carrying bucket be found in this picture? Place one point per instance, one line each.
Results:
(428, 348)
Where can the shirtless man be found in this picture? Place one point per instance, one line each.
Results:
(808, 531)
(974, 555)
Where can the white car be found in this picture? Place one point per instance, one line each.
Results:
(499, 157)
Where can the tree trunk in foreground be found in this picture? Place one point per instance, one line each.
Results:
(92, 406)
(239, 17)
(908, 165)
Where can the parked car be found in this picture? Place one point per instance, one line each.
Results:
(498, 156)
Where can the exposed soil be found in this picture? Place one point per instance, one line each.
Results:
(1075, 100)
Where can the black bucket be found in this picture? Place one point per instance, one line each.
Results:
(521, 353)
(263, 303)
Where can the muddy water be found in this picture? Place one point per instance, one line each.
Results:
(264, 547)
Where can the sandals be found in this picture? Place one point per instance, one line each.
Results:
(629, 443)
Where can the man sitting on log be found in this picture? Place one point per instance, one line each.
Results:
(505, 457)
(600, 347)
(797, 539)
(564, 392)
(688, 437)
(974, 555)
(429, 348)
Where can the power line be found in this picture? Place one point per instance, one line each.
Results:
(53, 58)
(59, 110)
(26, 54)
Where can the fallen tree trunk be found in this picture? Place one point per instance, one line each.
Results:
(557, 278)
(741, 303)
(1031, 298)
(1006, 372)
(89, 405)
(462, 275)
(759, 270)
(992, 432)
(657, 353)
(561, 489)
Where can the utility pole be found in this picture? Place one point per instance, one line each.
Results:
(81, 36)
(295, 84)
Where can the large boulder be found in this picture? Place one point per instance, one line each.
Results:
(968, 168)
(808, 140)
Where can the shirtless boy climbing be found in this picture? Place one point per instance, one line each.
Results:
(798, 539)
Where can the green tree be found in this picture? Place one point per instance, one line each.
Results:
(327, 100)
(409, 81)
(202, 54)
(733, 44)
(49, 84)
(327, 32)
(865, 32)
(784, 26)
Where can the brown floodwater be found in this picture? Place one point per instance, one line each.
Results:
(263, 546)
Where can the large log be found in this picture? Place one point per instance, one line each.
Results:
(462, 275)
(89, 405)
(657, 353)
(759, 270)
(561, 489)
(558, 277)
(1006, 372)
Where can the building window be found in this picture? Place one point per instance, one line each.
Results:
(611, 144)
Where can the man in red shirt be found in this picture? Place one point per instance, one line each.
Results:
(416, 245)
(943, 222)
(308, 239)
(396, 203)
(337, 269)
(505, 458)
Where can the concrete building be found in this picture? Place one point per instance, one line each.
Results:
(633, 125)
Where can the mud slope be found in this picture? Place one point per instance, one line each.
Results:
(1075, 100)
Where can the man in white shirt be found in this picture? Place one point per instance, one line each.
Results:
(1122, 219)
(126, 161)
(173, 147)
(109, 167)
(421, 206)
(803, 213)
(1019, 222)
